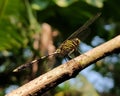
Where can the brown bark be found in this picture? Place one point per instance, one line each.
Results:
(67, 70)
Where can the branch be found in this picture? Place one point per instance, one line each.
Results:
(68, 70)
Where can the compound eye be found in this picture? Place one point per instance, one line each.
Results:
(78, 40)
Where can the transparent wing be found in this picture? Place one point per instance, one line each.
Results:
(80, 32)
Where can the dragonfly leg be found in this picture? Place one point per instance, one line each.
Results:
(73, 53)
(68, 57)
(77, 52)
(69, 54)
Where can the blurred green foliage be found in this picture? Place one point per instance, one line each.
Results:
(21, 19)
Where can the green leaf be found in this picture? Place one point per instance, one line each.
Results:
(96, 3)
(64, 3)
(40, 4)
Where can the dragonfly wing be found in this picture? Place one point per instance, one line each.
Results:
(84, 34)
(80, 32)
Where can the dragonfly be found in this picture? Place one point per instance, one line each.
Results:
(69, 46)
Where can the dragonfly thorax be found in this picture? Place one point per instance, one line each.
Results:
(67, 47)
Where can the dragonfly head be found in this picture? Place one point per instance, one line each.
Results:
(77, 40)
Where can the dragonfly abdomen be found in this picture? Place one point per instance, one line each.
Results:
(67, 47)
